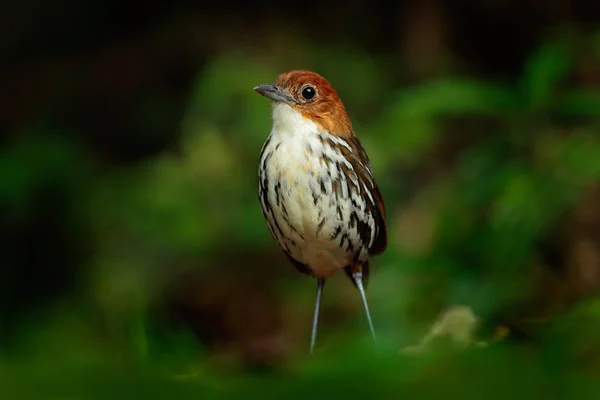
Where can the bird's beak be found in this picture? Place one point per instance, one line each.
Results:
(274, 93)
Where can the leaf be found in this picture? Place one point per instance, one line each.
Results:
(455, 97)
(580, 103)
(520, 204)
(410, 122)
(577, 158)
(543, 71)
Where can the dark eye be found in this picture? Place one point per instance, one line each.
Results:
(308, 92)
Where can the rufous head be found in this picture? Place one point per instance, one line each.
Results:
(311, 95)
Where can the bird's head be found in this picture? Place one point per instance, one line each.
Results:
(312, 97)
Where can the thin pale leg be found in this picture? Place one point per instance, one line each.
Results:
(357, 276)
(313, 337)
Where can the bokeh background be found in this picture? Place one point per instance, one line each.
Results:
(134, 259)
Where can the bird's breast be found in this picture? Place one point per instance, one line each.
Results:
(296, 171)
(306, 196)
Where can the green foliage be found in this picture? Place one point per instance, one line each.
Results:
(477, 223)
(543, 73)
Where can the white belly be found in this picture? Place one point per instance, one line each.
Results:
(310, 217)
(304, 216)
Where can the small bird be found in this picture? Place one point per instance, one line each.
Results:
(316, 186)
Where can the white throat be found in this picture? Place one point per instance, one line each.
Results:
(287, 121)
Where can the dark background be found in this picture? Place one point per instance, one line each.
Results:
(133, 244)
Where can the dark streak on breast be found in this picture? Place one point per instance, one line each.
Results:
(343, 239)
(353, 220)
(336, 187)
(266, 160)
(336, 232)
(293, 228)
(309, 148)
(264, 196)
(349, 247)
(320, 226)
(277, 226)
(283, 209)
(277, 197)
(322, 184)
(284, 215)
(323, 160)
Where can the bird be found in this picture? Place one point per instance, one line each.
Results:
(316, 186)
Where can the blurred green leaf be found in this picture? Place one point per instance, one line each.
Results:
(577, 158)
(518, 204)
(413, 121)
(451, 97)
(543, 72)
(35, 162)
(580, 103)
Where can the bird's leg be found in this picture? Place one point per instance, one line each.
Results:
(357, 276)
(313, 337)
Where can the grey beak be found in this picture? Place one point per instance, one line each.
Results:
(274, 93)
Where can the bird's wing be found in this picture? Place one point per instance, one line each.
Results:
(362, 167)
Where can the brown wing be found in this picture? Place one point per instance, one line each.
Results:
(362, 166)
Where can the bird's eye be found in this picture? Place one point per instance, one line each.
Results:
(308, 93)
